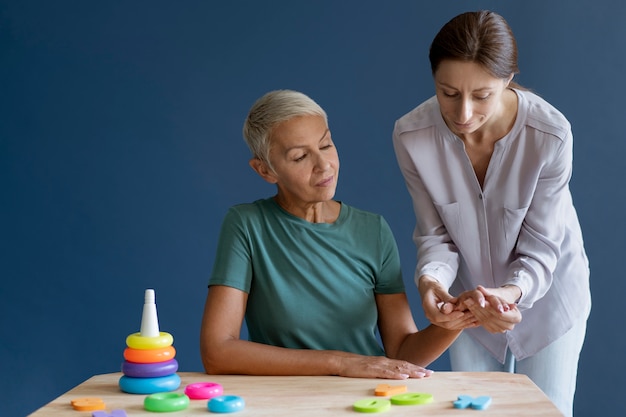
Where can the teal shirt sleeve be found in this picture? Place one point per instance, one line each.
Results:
(232, 265)
(389, 277)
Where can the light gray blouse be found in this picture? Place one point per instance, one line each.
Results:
(520, 228)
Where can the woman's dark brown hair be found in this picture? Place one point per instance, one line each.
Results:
(483, 37)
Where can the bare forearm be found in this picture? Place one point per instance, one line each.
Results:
(243, 357)
(424, 347)
(249, 358)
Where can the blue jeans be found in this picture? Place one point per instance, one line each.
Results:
(553, 369)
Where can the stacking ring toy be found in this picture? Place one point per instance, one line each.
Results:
(203, 390)
(226, 404)
(411, 398)
(166, 402)
(149, 385)
(149, 355)
(137, 341)
(369, 405)
(149, 370)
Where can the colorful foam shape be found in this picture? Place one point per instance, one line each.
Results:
(481, 403)
(88, 404)
(114, 413)
(412, 398)
(386, 390)
(463, 401)
(372, 405)
(467, 401)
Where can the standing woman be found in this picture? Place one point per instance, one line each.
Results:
(488, 165)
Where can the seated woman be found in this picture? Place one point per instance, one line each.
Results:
(313, 277)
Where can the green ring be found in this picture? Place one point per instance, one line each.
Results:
(412, 398)
(369, 405)
(166, 402)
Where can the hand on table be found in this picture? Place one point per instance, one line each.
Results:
(357, 366)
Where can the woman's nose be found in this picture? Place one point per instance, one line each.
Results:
(465, 111)
(322, 162)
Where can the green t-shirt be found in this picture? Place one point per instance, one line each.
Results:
(310, 285)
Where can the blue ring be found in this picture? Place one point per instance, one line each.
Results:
(149, 385)
(226, 404)
(149, 370)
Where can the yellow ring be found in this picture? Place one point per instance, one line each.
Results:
(149, 355)
(137, 341)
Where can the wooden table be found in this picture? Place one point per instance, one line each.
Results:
(276, 396)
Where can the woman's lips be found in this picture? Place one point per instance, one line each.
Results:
(463, 126)
(325, 182)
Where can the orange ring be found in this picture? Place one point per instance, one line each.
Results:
(149, 355)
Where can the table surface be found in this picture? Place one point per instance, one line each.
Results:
(276, 396)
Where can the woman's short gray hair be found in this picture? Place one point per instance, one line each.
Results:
(271, 109)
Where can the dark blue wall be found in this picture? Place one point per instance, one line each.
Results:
(121, 149)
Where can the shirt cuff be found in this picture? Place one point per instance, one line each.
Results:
(521, 279)
(441, 271)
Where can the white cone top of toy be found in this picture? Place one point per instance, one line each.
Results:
(149, 318)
